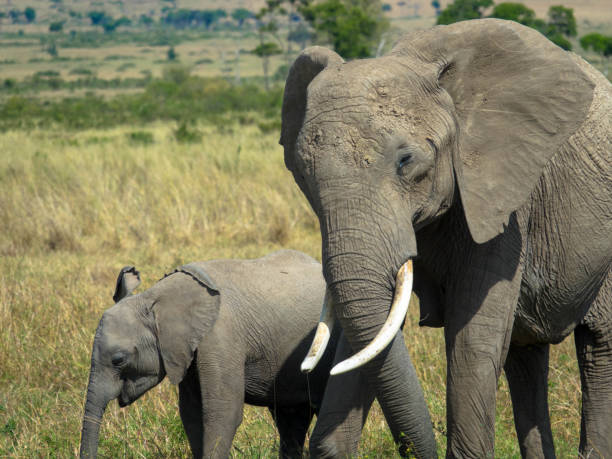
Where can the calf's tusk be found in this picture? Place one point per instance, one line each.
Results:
(399, 307)
(321, 338)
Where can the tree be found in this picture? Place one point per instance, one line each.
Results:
(436, 6)
(240, 15)
(462, 10)
(300, 35)
(184, 18)
(56, 26)
(561, 26)
(97, 17)
(264, 50)
(561, 21)
(110, 25)
(30, 14)
(145, 20)
(514, 12)
(51, 48)
(15, 15)
(171, 54)
(600, 44)
(354, 27)
(560, 41)
(211, 16)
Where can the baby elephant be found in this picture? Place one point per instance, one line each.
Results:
(227, 332)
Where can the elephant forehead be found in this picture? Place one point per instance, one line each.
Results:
(122, 320)
(362, 85)
(357, 141)
(325, 144)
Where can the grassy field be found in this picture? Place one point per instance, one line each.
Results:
(77, 206)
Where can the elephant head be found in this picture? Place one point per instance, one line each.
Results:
(144, 337)
(460, 118)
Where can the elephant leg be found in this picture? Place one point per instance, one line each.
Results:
(526, 369)
(222, 389)
(593, 338)
(190, 408)
(343, 412)
(292, 423)
(478, 329)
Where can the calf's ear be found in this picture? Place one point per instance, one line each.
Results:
(186, 308)
(127, 281)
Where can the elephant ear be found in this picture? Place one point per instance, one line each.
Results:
(518, 98)
(186, 307)
(127, 281)
(305, 68)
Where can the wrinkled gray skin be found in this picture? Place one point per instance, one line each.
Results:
(483, 152)
(228, 332)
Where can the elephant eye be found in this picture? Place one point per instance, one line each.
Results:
(118, 359)
(432, 144)
(405, 159)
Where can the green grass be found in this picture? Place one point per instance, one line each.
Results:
(77, 206)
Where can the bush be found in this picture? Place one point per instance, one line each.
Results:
(47, 73)
(80, 71)
(184, 134)
(142, 137)
(56, 26)
(463, 10)
(171, 54)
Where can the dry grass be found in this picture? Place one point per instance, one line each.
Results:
(75, 208)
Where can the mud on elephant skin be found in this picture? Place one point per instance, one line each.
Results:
(482, 153)
(228, 332)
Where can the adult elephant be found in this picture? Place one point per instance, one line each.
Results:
(481, 152)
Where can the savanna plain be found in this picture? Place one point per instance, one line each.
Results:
(91, 185)
(76, 207)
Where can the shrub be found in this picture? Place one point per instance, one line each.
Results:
(80, 71)
(142, 137)
(56, 26)
(47, 73)
(184, 134)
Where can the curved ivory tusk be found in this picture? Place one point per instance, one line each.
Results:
(321, 338)
(399, 308)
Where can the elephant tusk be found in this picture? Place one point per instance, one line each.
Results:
(321, 338)
(394, 321)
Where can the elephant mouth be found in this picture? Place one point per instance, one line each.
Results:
(123, 399)
(132, 390)
(395, 319)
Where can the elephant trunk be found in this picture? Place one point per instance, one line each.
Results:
(91, 430)
(98, 397)
(360, 273)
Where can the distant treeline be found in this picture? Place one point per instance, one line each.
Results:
(177, 96)
(179, 18)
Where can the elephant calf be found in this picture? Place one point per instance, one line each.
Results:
(228, 332)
